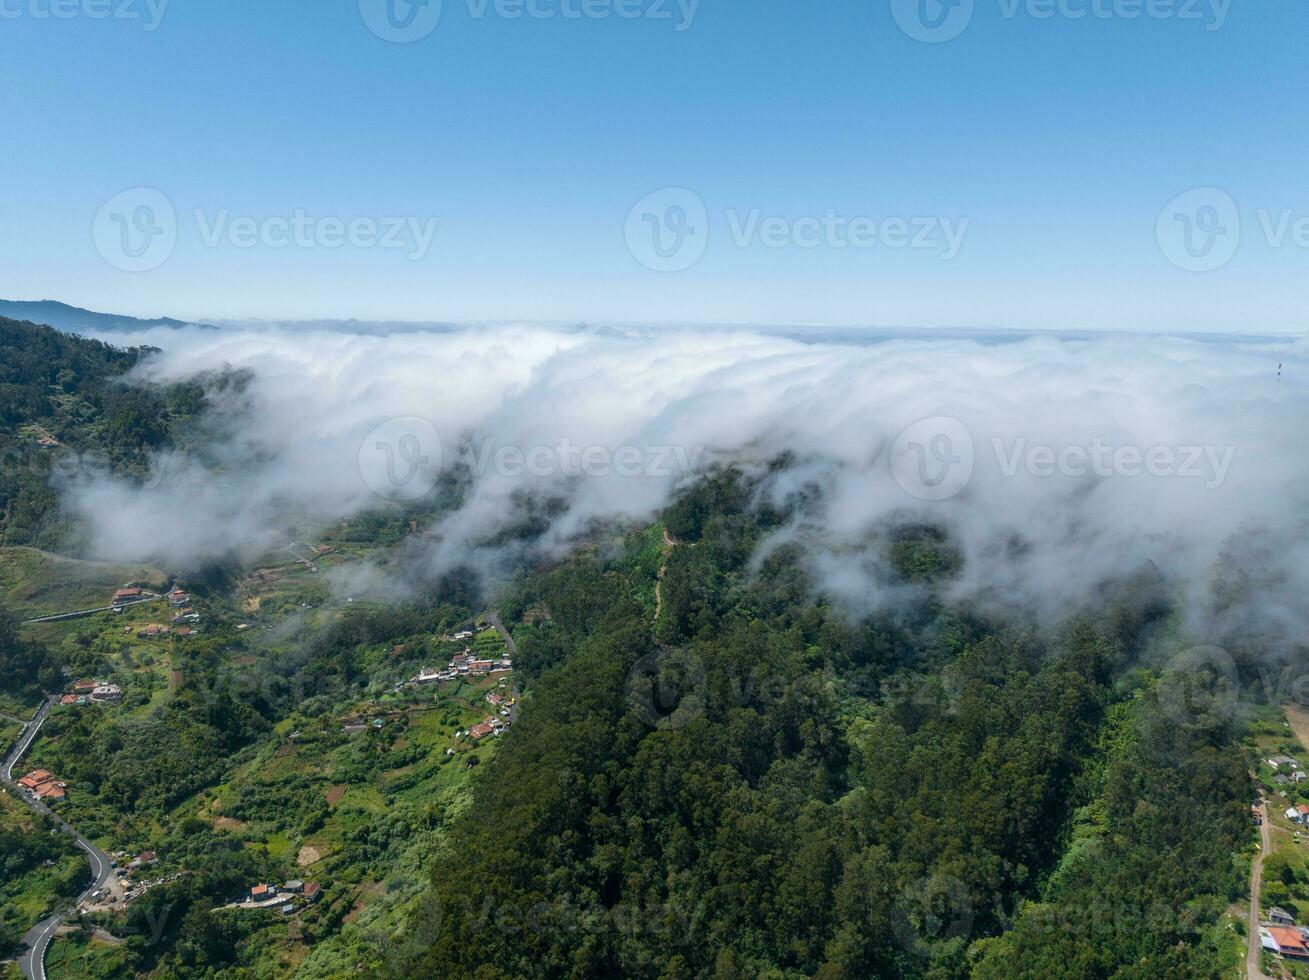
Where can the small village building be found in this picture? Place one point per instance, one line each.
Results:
(1280, 917)
(313, 892)
(107, 694)
(1283, 762)
(42, 784)
(35, 778)
(295, 886)
(128, 595)
(178, 598)
(1284, 941)
(481, 730)
(260, 893)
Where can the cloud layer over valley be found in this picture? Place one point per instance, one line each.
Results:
(1055, 464)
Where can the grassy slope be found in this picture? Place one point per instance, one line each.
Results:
(37, 583)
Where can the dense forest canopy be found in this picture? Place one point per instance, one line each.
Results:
(63, 406)
(759, 786)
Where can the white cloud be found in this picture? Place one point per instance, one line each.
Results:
(292, 443)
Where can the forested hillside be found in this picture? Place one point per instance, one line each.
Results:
(756, 785)
(62, 406)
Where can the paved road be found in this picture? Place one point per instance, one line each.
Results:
(38, 938)
(1252, 970)
(494, 619)
(79, 613)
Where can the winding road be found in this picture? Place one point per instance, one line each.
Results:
(38, 938)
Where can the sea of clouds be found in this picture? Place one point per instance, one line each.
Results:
(1056, 464)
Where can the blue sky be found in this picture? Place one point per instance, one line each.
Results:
(1047, 147)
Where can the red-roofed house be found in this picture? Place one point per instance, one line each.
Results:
(1287, 942)
(35, 778)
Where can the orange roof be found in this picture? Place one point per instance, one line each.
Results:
(1302, 809)
(1288, 939)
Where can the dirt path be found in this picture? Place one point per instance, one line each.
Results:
(1252, 970)
(669, 544)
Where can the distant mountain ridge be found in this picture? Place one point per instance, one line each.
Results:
(73, 319)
